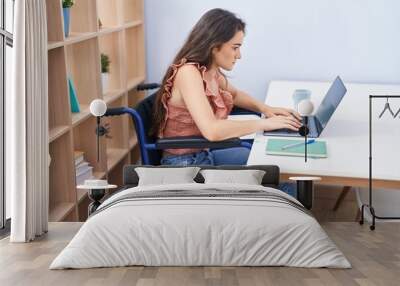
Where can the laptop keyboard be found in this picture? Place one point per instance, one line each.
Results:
(280, 132)
(287, 130)
(291, 133)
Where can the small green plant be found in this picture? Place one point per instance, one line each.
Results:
(67, 3)
(105, 63)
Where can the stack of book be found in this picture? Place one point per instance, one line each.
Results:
(83, 170)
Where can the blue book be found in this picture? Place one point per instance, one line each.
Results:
(73, 98)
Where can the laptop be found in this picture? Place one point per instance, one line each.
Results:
(317, 122)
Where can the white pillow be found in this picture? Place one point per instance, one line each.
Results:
(164, 176)
(249, 177)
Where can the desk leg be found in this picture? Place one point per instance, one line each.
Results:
(305, 193)
(341, 197)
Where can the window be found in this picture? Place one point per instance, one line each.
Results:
(6, 43)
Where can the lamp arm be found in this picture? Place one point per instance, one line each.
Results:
(305, 138)
(98, 138)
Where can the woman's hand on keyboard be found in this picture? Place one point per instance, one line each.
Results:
(281, 122)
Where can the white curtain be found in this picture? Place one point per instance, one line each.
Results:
(27, 173)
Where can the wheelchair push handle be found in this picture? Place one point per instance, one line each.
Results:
(115, 111)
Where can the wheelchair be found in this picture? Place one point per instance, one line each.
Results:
(151, 147)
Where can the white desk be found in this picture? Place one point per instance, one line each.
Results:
(346, 135)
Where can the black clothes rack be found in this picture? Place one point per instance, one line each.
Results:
(369, 205)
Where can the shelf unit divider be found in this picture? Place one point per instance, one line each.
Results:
(78, 57)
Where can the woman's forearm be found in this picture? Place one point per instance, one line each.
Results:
(244, 100)
(222, 129)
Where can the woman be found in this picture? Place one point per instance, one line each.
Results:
(195, 97)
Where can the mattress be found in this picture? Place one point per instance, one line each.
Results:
(201, 225)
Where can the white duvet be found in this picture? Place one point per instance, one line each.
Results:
(186, 231)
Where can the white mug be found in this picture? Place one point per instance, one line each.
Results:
(299, 95)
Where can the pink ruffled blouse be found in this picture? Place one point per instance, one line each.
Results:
(178, 121)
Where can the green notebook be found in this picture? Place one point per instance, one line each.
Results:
(314, 150)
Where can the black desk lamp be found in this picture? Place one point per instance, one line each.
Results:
(98, 108)
(305, 108)
(305, 184)
(97, 188)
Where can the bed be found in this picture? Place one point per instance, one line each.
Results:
(201, 224)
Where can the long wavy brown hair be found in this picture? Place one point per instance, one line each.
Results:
(215, 27)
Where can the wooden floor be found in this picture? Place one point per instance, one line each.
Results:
(375, 257)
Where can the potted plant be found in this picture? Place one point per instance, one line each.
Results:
(100, 24)
(105, 69)
(66, 4)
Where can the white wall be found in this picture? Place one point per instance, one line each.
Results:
(288, 39)
(294, 40)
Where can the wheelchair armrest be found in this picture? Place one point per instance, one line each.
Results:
(195, 142)
(238, 110)
(146, 86)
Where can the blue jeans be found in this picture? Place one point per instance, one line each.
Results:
(227, 156)
(288, 188)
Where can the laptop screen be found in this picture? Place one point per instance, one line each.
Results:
(330, 102)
